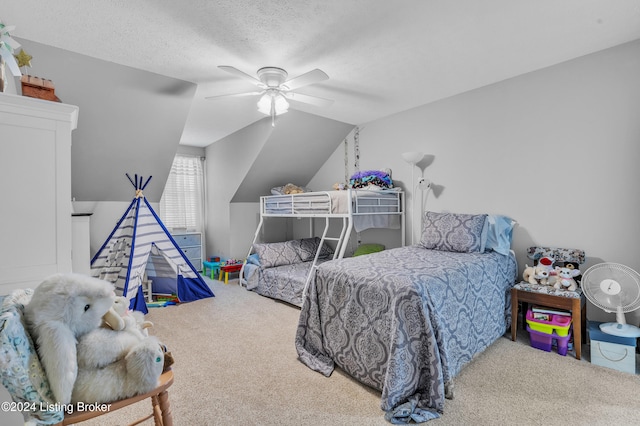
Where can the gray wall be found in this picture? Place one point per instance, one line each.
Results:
(130, 121)
(557, 150)
(228, 162)
(247, 164)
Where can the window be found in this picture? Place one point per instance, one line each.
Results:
(182, 202)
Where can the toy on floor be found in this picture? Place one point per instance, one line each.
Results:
(83, 360)
(170, 298)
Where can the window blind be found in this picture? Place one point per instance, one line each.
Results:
(182, 202)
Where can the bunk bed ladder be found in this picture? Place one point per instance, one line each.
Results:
(255, 238)
(341, 245)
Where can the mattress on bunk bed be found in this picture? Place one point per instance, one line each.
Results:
(406, 320)
(369, 206)
(285, 282)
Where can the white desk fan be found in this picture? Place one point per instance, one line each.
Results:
(613, 288)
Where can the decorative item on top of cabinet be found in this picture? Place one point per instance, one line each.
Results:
(191, 245)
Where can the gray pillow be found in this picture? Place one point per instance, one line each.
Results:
(277, 254)
(453, 232)
(307, 249)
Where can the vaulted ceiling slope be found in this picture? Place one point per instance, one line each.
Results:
(382, 56)
(130, 121)
(294, 151)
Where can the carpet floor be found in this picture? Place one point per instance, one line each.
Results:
(236, 364)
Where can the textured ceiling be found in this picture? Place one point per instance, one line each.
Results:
(382, 56)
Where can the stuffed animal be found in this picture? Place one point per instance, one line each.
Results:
(120, 316)
(113, 318)
(546, 262)
(82, 360)
(292, 189)
(117, 364)
(574, 265)
(565, 278)
(536, 275)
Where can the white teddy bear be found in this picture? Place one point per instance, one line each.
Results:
(82, 360)
(565, 279)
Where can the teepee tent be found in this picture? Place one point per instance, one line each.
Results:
(140, 243)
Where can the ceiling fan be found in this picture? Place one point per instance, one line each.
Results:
(275, 89)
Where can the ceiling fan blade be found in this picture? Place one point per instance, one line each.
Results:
(235, 95)
(311, 77)
(308, 99)
(241, 74)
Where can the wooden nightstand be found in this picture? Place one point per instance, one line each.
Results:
(575, 304)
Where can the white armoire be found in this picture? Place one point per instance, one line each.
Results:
(35, 190)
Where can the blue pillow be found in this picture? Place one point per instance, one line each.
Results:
(499, 233)
(254, 259)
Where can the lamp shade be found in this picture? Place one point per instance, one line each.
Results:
(273, 102)
(412, 157)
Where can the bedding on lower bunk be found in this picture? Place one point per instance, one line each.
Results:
(285, 282)
(405, 321)
(280, 270)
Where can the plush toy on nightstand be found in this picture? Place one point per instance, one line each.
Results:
(536, 275)
(574, 265)
(546, 262)
(565, 278)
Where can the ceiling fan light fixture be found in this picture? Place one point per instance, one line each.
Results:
(276, 89)
(273, 103)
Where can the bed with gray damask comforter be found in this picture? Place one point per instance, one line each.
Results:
(405, 321)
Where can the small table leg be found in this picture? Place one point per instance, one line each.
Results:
(514, 313)
(576, 315)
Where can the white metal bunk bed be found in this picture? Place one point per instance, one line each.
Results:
(357, 209)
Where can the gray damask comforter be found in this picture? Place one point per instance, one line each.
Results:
(405, 321)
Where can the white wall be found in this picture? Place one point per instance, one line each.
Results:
(333, 171)
(228, 161)
(556, 149)
(106, 214)
(104, 217)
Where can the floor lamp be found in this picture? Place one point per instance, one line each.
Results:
(413, 158)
